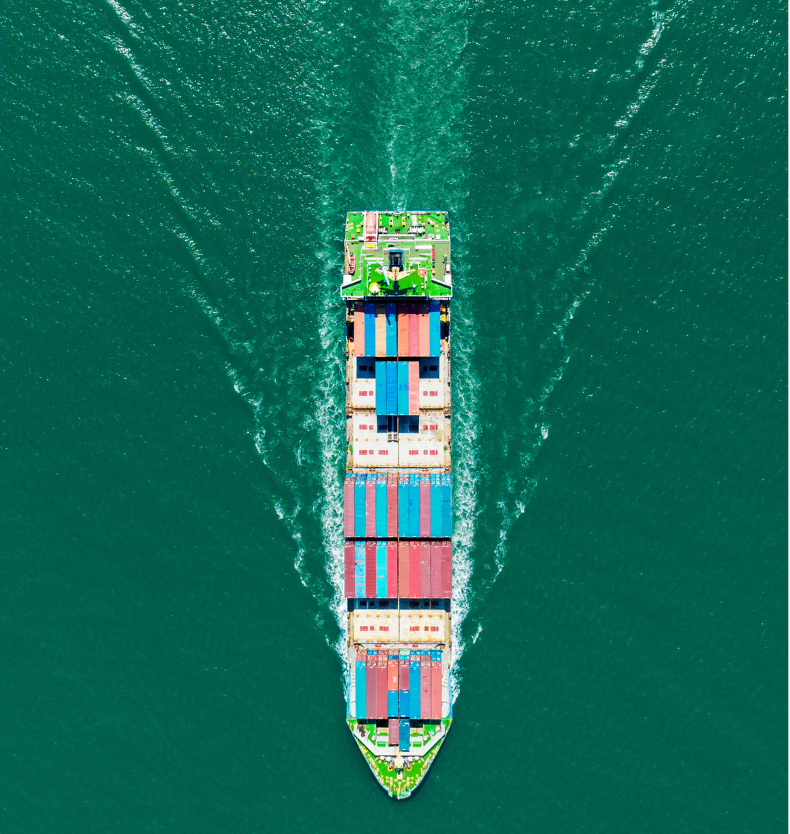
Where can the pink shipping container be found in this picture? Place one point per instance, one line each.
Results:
(425, 570)
(348, 507)
(370, 508)
(392, 506)
(447, 569)
(425, 687)
(370, 685)
(422, 323)
(392, 672)
(403, 570)
(414, 570)
(436, 689)
(348, 565)
(359, 329)
(381, 331)
(370, 569)
(436, 570)
(403, 331)
(414, 388)
(392, 731)
(392, 570)
(414, 330)
(403, 673)
(381, 686)
(425, 507)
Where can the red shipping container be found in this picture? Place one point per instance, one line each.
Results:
(436, 689)
(422, 323)
(425, 507)
(392, 506)
(436, 570)
(392, 731)
(381, 331)
(359, 329)
(348, 507)
(392, 672)
(370, 685)
(370, 569)
(403, 674)
(425, 570)
(425, 687)
(370, 508)
(414, 388)
(381, 686)
(403, 570)
(414, 570)
(414, 330)
(447, 569)
(403, 331)
(348, 565)
(392, 570)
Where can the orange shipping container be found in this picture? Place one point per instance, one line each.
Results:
(381, 331)
(359, 329)
(403, 330)
(424, 326)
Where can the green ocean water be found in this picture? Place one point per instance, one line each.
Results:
(174, 183)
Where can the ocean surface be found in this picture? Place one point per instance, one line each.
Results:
(175, 177)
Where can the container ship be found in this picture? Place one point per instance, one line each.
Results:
(398, 565)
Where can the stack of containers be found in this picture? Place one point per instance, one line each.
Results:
(381, 686)
(392, 685)
(436, 684)
(360, 708)
(414, 685)
(371, 687)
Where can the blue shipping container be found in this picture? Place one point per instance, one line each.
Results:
(359, 570)
(381, 387)
(403, 735)
(391, 330)
(392, 387)
(403, 388)
(360, 694)
(414, 685)
(447, 506)
(414, 506)
(403, 703)
(381, 570)
(437, 524)
(370, 329)
(434, 331)
(359, 507)
(403, 509)
(392, 703)
(381, 508)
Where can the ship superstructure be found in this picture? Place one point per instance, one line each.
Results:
(397, 286)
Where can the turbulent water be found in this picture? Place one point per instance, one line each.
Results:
(175, 180)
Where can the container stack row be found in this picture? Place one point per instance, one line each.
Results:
(398, 388)
(397, 506)
(405, 684)
(397, 329)
(393, 569)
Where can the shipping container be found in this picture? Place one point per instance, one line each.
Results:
(392, 669)
(348, 568)
(414, 571)
(425, 570)
(370, 506)
(392, 387)
(360, 707)
(447, 569)
(381, 685)
(381, 570)
(403, 570)
(425, 506)
(436, 685)
(370, 329)
(381, 331)
(403, 506)
(360, 523)
(403, 672)
(392, 703)
(392, 570)
(436, 506)
(447, 506)
(403, 388)
(381, 507)
(414, 388)
(426, 687)
(359, 570)
(414, 685)
(370, 569)
(404, 733)
(423, 324)
(348, 507)
(414, 330)
(403, 702)
(391, 327)
(414, 506)
(403, 331)
(436, 570)
(381, 387)
(392, 507)
(434, 327)
(393, 729)
(359, 329)
(371, 687)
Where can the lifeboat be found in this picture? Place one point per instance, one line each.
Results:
(352, 263)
